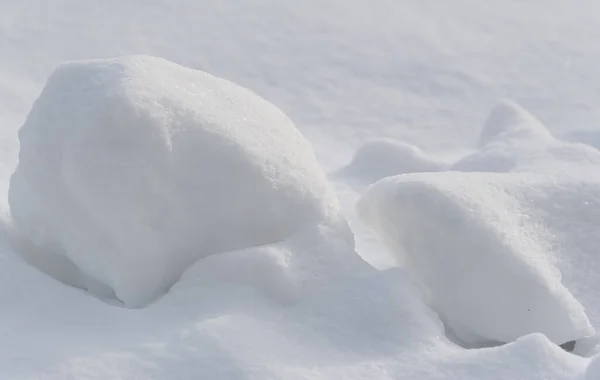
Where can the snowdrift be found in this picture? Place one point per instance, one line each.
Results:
(500, 255)
(229, 317)
(133, 168)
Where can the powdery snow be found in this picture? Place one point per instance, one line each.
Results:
(135, 167)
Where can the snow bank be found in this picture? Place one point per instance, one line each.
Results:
(135, 167)
(501, 255)
(380, 158)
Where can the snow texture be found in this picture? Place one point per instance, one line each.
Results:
(133, 168)
(494, 251)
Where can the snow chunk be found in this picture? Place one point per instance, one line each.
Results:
(136, 167)
(380, 158)
(478, 252)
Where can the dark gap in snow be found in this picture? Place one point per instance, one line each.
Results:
(568, 346)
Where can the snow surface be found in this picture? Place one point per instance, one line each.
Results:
(134, 168)
(423, 73)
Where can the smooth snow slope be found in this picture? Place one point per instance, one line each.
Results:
(423, 71)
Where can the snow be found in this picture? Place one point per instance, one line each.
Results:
(411, 82)
(380, 158)
(500, 255)
(509, 122)
(513, 140)
(593, 369)
(369, 325)
(133, 168)
(472, 247)
(585, 136)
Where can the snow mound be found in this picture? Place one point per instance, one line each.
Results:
(503, 254)
(380, 158)
(508, 120)
(566, 204)
(477, 254)
(513, 140)
(135, 167)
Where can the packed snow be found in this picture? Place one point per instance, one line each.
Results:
(492, 250)
(477, 253)
(197, 204)
(134, 168)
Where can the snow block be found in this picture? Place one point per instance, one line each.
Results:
(136, 167)
(479, 252)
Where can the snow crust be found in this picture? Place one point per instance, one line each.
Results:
(500, 254)
(133, 168)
